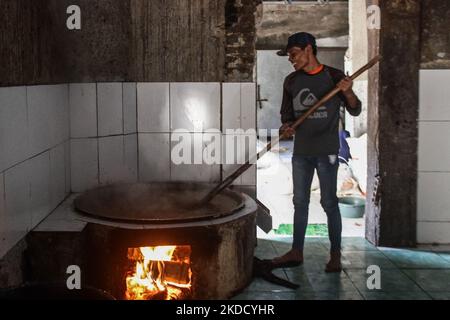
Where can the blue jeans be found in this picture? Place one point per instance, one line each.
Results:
(303, 172)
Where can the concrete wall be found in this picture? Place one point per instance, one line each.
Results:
(131, 40)
(277, 21)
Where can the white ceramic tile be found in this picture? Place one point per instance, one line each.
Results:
(153, 107)
(84, 164)
(59, 113)
(434, 146)
(433, 202)
(57, 175)
(231, 106)
(39, 187)
(3, 229)
(248, 106)
(433, 232)
(13, 126)
(39, 118)
(228, 169)
(197, 169)
(434, 97)
(195, 106)
(110, 113)
(129, 107)
(235, 152)
(48, 116)
(118, 159)
(249, 177)
(83, 110)
(154, 157)
(67, 166)
(17, 220)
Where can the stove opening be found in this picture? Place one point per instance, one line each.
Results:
(159, 273)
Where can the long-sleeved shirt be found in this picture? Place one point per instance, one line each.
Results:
(318, 134)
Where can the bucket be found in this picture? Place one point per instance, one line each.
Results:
(352, 207)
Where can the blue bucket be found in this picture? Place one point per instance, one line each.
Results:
(352, 207)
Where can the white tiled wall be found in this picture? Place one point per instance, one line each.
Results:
(118, 159)
(153, 107)
(83, 110)
(48, 116)
(84, 164)
(154, 157)
(129, 108)
(57, 139)
(239, 112)
(197, 169)
(17, 219)
(58, 174)
(195, 106)
(433, 205)
(34, 126)
(110, 113)
(40, 187)
(14, 126)
(4, 247)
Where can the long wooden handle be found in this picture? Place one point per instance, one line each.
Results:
(229, 180)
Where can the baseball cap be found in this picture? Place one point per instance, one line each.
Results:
(300, 39)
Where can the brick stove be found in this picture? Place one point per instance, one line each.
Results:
(212, 250)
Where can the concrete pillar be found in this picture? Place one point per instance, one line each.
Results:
(392, 124)
(357, 56)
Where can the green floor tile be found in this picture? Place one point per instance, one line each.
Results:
(415, 259)
(440, 295)
(265, 249)
(320, 281)
(311, 247)
(395, 295)
(261, 285)
(343, 295)
(355, 244)
(431, 280)
(392, 280)
(364, 259)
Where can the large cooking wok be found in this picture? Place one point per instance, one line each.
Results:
(167, 202)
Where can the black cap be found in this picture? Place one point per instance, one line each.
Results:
(300, 39)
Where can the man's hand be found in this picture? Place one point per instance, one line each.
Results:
(346, 85)
(286, 131)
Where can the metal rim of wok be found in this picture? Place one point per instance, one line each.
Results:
(84, 203)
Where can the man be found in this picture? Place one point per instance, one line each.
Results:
(316, 143)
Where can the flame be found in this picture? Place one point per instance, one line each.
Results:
(159, 273)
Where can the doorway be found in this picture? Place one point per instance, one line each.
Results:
(274, 172)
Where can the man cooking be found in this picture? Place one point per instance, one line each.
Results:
(316, 142)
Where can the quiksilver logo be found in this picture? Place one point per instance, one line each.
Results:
(304, 100)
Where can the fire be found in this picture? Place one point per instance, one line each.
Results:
(160, 273)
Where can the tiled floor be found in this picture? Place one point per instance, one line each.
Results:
(411, 274)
